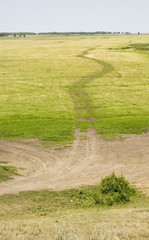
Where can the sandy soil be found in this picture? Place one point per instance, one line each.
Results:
(84, 163)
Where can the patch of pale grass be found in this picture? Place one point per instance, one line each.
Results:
(105, 224)
(27, 230)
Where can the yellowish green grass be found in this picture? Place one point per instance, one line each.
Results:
(38, 74)
(76, 213)
(47, 84)
(7, 172)
(122, 96)
(113, 224)
(57, 215)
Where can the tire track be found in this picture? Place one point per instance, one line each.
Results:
(87, 160)
(81, 99)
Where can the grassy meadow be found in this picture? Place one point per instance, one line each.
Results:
(49, 86)
(69, 215)
(48, 83)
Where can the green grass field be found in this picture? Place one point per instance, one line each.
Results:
(70, 215)
(51, 85)
(41, 75)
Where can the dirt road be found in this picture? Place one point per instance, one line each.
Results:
(88, 159)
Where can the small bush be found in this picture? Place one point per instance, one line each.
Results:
(114, 189)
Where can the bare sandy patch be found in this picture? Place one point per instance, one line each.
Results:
(85, 162)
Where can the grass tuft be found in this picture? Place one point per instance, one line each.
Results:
(6, 172)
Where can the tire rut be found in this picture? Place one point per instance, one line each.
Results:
(81, 99)
(87, 160)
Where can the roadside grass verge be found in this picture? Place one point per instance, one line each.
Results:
(55, 130)
(4, 162)
(112, 190)
(70, 215)
(89, 213)
(125, 124)
(46, 202)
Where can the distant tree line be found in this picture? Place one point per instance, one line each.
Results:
(81, 33)
(20, 34)
(6, 34)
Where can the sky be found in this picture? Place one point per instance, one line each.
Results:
(74, 15)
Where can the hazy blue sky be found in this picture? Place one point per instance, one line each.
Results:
(74, 15)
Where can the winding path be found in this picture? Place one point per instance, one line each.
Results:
(78, 94)
(89, 158)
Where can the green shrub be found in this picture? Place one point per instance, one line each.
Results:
(114, 189)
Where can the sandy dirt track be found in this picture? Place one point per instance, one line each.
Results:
(88, 160)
